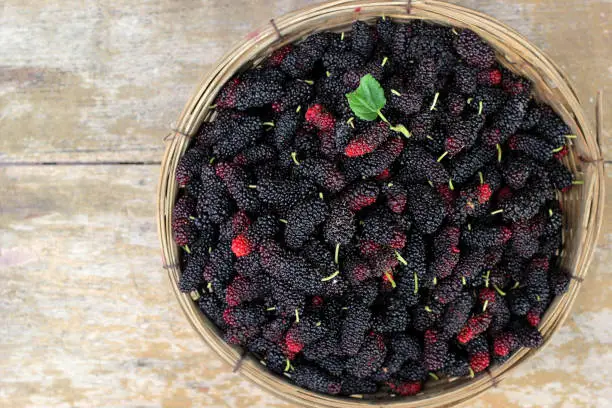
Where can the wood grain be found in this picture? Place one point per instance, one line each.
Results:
(88, 317)
(103, 81)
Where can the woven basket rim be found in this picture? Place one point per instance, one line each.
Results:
(586, 158)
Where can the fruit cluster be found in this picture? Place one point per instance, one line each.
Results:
(360, 250)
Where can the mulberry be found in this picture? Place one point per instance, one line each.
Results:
(235, 180)
(285, 129)
(552, 128)
(243, 132)
(446, 252)
(192, 277)
(473, 50)
(468, 163)
(456, 315)
(376, 162)
(508, 119)
(188, 167)
(462, 134)
(370, 357)
(560, 177)
(417, 164)
(340, 226)
(368, 141)
(527, 202)
(244, 316)
(435, 351)
(478, 353)
(363, 39)
(302, 221)
(282, 195)
(357, 386)
(316, 380)
(474, 326)
(426, 208)
(486, 237)
(322, 173)
(297, 93)
(256, 93)
(354, 327)
(396, 197)
(183, 231)
(361, 195)
(406, 101)
(532, 146)
(318, 116)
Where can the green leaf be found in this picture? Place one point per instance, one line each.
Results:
(400, 129)
(368, 99)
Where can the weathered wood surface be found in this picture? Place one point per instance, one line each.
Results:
(88, 317)
(104, 80)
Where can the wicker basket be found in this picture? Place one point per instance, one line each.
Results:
(583, 206)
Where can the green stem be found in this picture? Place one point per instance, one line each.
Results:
(336, 253)
(400, 258)
(443, 155)
(330, 277)
(294, 157)
(389, 277)
(501, 292)
(382, 116)
(435, 101)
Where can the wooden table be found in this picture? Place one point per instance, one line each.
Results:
(88, 89)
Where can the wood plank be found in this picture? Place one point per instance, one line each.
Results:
(103, 81)
(89, 319)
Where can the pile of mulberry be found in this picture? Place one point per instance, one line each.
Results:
(356, 256)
